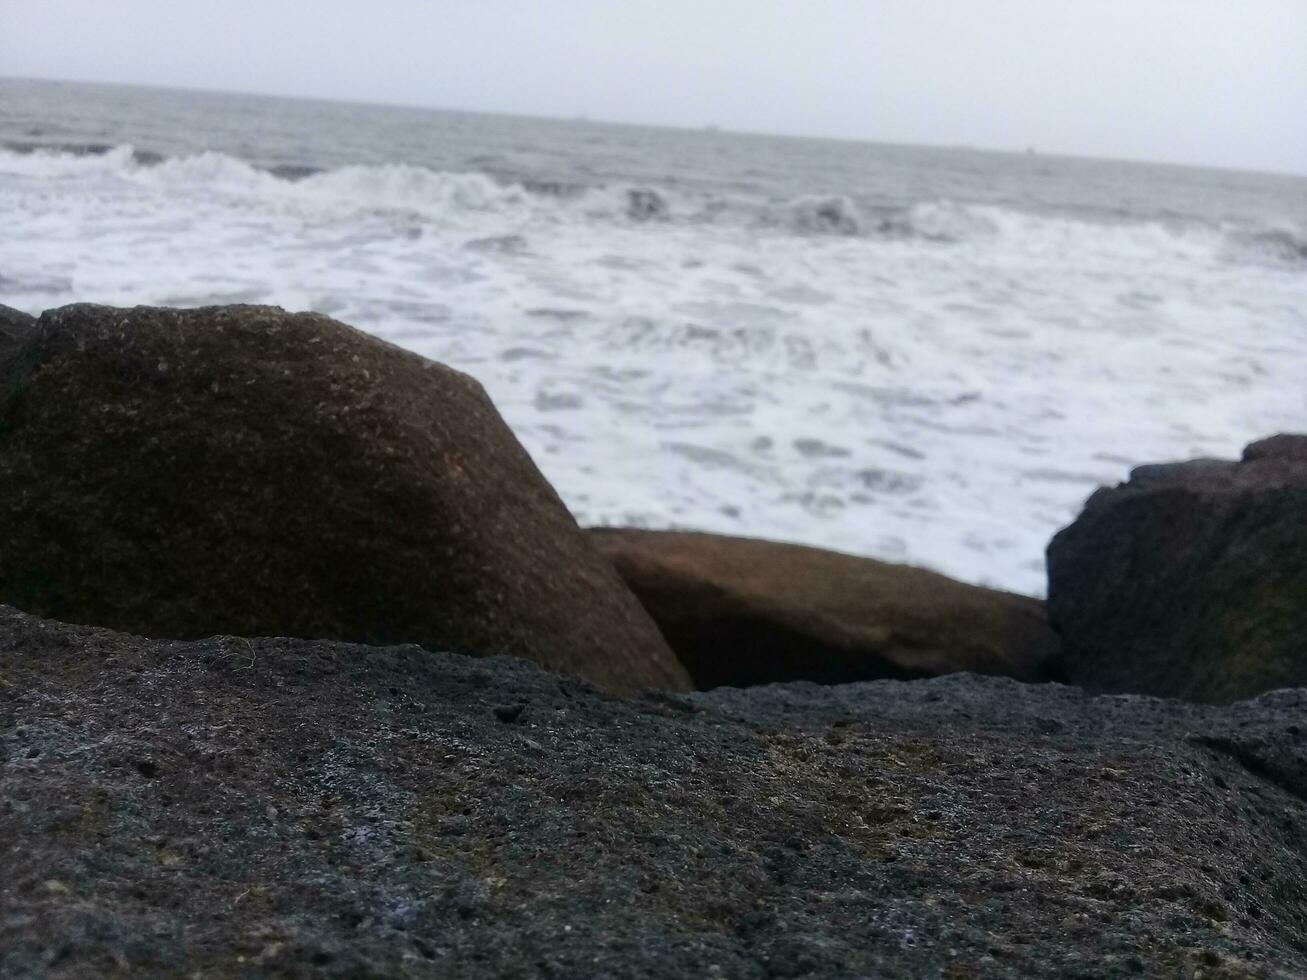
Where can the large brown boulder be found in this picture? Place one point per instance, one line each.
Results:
(242, 470)
(1190, 580)
(740, 611)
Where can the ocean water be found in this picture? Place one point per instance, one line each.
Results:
(919, 354)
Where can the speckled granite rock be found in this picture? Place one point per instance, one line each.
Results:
(240, 469)
(1190, 579)
(289, 808)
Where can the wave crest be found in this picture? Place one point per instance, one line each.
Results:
(947, 221)
(836, 215)
(1267, 246)
(414, 190)
(64, 161)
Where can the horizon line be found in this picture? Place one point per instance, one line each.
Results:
(707, 128)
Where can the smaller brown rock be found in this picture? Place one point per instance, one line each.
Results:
(741, 611)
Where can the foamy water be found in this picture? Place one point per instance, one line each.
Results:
(920, 363)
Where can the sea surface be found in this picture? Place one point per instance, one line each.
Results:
(919, 354)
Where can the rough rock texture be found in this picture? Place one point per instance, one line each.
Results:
(244, 470)
(1190, 580)
(13, 325)
(240, 808)
(741, 611)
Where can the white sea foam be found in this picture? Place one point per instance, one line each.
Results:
(942, 383)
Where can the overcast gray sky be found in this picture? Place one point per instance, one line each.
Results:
(1221, 82)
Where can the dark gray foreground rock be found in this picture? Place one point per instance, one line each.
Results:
(234, 808)
(13, 325)
(1190, 580)
(742, 611)
(183, 473)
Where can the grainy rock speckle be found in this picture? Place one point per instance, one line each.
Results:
(271, 807)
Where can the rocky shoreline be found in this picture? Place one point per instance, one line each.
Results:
(563, 803)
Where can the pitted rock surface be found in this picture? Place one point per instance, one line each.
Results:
(269, 807)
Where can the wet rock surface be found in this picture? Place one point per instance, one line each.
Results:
(182, 473)
(270, 807)
(742, 611)
(1190, 580)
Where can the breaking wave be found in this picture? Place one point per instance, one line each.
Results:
(825, 216)
(419, 191)
(1269, 246)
